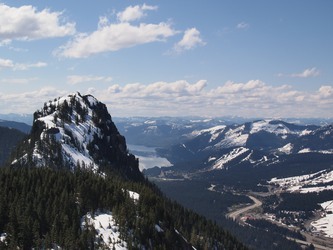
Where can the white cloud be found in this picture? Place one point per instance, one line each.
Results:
(75, 79)
(28, 102)
(310, 72)
(325, 92)
(133, 13)
(114, 37)
(27, 23)
(26, 66)
(9, 64)
(242, 25)
(6, 63)
(307, 73)
(190, 40)
(254, 98)
(232, 87)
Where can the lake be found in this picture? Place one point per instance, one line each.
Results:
(148, 157)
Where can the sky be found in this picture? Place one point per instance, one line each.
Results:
(259, 58)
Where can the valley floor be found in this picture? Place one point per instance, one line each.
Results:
(317, 238)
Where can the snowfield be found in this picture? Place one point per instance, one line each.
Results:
(305, 183)
(265, 125)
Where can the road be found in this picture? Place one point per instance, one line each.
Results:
(316, 246)
(235, 214)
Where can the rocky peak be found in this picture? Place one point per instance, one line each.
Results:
(77, 131)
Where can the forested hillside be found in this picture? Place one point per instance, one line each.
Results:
(40, 208)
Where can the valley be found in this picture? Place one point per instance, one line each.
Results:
(266, 174)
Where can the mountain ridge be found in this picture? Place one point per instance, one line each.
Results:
(219, 145)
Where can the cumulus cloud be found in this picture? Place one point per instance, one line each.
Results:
(75, 79)
(253, 98)
(113, 37)
(27, 23)
(325, 92)
(133, 13)
(9, 64)
(190, 40)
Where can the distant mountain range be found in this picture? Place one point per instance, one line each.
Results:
(25, 118)
(21, 126)
(256, 143)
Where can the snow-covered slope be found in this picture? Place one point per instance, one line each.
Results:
(224, 159)
(315, 182)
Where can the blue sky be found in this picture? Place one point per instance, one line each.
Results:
(176, 58)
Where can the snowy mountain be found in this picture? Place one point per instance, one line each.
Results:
(256, 143)
(161, 131)
(76, 131)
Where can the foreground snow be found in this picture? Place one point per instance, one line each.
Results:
(106, 229)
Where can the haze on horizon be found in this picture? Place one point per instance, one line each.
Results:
(170, 58)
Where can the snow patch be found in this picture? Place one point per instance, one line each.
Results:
(287, 149)
(106, 229)
(135, 196)
(158, 229)
(3, 237)
(214, 132)
(234, 138)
